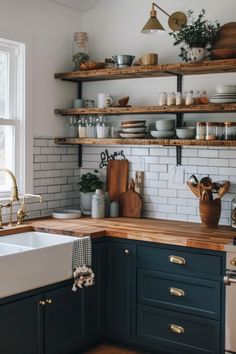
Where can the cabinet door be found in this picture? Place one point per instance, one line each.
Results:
(119, 269)
(94, 299)
(63, 320)
(21, 324)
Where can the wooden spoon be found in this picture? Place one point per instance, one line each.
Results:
(194, 189)
(223, 189)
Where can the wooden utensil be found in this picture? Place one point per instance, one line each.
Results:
(223, 189)
(131, 203)
(194, 189)
(117, 178)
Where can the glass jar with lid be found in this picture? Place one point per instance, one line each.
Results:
(229, 130)
(210, 131)
(233, 213)
(80, 49)
(200, 130)
(219, 131)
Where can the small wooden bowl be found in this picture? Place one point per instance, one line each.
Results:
(92, 65)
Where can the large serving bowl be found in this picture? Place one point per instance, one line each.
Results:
(165, 124)
(186, 132)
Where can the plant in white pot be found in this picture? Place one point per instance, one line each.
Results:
(196, 38)
(88, 183)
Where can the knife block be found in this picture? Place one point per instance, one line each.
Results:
(210, 211)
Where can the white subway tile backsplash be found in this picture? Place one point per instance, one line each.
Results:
(56, 174)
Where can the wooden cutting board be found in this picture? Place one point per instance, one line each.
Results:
(117, 178)
(131, 203)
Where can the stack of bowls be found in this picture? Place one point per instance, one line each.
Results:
(133, 129)
(165, 129)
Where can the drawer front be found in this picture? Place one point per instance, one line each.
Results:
(178, 261)
(180, 293)
(177, 333)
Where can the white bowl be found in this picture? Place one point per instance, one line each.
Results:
(165, 124)
(226, 88)
(163, 134)
(186, 132)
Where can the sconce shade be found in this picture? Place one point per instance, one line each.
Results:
(152, 24)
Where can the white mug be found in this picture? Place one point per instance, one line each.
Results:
(104, 100)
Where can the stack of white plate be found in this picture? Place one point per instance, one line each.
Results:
(133, 129)
(165, 129)
(224, 94)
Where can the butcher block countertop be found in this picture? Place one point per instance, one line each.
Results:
(151, 230)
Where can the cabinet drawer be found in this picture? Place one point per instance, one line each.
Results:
(180, 293)
(178, 261)
(177, 333)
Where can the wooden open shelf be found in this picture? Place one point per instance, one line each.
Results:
(162, 142)
(202, 108)
(194, 68)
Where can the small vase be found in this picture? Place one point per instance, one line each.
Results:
(196, 53)
(86, 202)
(210, 211)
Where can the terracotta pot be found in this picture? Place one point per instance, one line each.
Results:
(210, 211)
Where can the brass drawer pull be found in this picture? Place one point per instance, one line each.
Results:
(49, 301)
(42, 303)
(233, 262)
(126, 252)
(177, 260)
(177, 292)
(176, 329)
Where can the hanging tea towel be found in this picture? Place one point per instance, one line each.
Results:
(81, 262)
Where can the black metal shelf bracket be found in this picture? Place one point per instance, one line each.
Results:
(80, 155)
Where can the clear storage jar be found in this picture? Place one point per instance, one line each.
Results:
(219, 131)
(80, 49)
(200, 130)
(233, 213)
(210, 131)
(71, 127)
(229, 130)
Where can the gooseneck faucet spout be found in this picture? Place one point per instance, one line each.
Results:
(14, 191)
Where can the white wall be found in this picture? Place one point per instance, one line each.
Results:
(50, 28)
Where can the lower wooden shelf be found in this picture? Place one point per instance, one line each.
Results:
(162, 142)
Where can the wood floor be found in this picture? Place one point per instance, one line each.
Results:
(109, 349)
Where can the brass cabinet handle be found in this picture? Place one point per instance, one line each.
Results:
(126, 251)
(233, 262)
(49, 301)
(176, 329)
(177, 292)
(177, 260)
(42, 303)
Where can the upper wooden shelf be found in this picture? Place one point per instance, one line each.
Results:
(194, 68)
(202, 108)
(163, 142)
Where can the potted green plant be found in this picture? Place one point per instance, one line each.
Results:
(196, 38)
(88, 183)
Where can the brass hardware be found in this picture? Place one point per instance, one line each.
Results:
(126, 251)
(49, 301)
(233, 262)
(42, 303)
(176, 329)
(14, 192)
(177, 292)
(177, 260)
(176, 20)
(22, 213)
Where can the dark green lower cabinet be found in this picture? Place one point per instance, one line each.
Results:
(21, 325)
(118, 290)
(177, 333)
(63, 321)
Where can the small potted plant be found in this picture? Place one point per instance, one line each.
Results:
(196, 38)
(88, 183)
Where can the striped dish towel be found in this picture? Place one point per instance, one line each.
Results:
(82, 262)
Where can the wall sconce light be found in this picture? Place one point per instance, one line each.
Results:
(176, 21)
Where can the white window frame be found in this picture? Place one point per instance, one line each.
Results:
(24, 127)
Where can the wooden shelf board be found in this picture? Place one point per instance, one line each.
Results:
(194, 68)
(202, 108)
(163, 142)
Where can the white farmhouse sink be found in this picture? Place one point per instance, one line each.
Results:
(33, 259)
